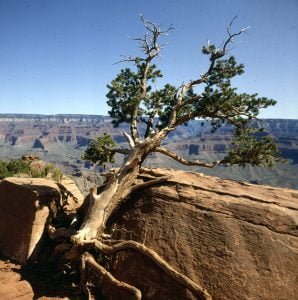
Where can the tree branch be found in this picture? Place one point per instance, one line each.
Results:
(118, 150)
(188, 162)
(214, 56)
(60, 232)
(150, 121)
(129, 139)
(151, 48)
(187, 101)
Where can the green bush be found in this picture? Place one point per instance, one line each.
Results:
(17, 167)
(13, 167)
(3, 170)
(57, 174)
(48, 169)
(37, 172)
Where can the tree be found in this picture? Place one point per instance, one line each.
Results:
(96, 150)
(134, 101)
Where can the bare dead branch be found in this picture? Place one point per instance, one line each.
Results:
(187, 162)
(232, 35)
(149, 44)
(129, 139)
(129, 59)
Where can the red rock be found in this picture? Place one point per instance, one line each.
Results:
(25, 210)
(238, 240)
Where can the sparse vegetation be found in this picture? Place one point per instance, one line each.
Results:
(13, 167)
(19, 167)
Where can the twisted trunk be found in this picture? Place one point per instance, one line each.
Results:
(101, 206)
(116, 189)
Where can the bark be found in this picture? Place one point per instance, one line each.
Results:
(101, 206)
(116, 189)
(88, 259)
(177, 276)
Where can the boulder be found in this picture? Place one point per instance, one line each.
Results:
(26, 207)
(237, 240)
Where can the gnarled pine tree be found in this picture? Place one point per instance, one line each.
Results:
(133, 100)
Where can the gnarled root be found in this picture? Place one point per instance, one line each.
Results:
(60, 232)
(177, 276)
(88, 260)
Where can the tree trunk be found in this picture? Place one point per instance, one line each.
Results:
(115, 190)
(91, 232)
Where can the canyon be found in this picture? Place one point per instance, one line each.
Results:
(62, 139)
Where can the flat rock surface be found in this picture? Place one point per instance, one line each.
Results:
(237, 240)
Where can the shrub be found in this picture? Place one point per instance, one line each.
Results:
(16, 167)
(3, 170)
(57, 174)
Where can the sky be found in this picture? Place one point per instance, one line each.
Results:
(57, 56)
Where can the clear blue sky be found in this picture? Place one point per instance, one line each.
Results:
(57, 56)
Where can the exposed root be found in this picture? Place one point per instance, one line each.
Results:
(145, 184)
(106, 236)
(62, 248)
(60, 232)
(72, 254)
(177, 276)
(88, 259)
(82, 235)
(83, 282)
(150, 182)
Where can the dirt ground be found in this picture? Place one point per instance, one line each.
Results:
(35, 282)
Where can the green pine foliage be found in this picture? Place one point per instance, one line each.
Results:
(124, 93)
(99, 150)
(211, 97)
(247, 147)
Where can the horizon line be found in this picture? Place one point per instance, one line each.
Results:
(96, 115)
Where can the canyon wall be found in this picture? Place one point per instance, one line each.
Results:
(61, 139)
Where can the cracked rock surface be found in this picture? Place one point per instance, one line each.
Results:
(238, 240)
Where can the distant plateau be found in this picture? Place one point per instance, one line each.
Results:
(62, 139)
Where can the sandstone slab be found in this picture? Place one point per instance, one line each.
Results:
(26, 206)
(238, 240)
(24, 210)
